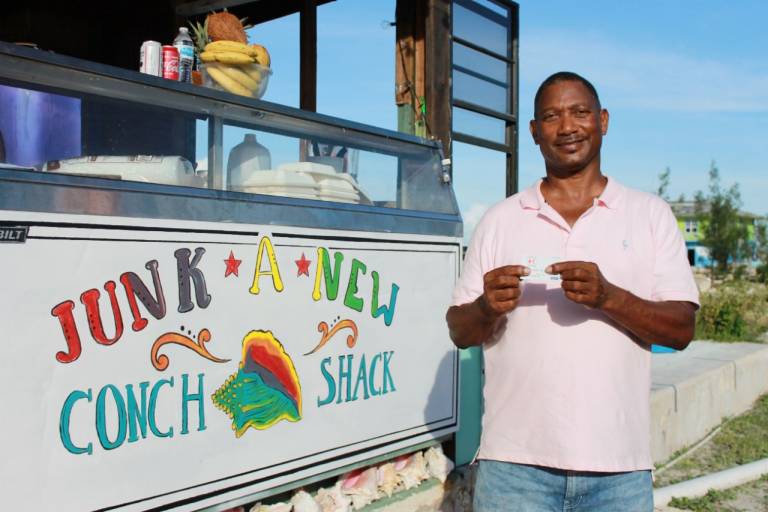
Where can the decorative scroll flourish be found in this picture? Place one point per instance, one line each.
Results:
(160, 361)
(326, 335)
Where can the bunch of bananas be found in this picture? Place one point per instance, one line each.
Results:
(237, 67)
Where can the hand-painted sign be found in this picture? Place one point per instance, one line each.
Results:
(178, 364)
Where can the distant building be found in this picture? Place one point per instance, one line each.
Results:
(692, 228)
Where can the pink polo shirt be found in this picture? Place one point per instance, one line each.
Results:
(565, 387)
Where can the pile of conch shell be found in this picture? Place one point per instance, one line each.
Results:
(363, 486)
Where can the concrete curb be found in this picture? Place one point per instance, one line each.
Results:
(717, 481)
(693, 390)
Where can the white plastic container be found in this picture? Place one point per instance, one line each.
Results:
(340, 188)
(308, 180)
(281, 183)
(245, 160)
(166, 170)
(331, 185)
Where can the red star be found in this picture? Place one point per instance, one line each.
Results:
(232, 265)
(303, 265)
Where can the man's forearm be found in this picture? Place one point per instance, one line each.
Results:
(469, 324)
(668, 323)
(474, 323)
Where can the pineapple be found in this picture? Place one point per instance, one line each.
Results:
(200, 35)
(224, 24)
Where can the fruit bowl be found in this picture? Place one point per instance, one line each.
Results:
(246, 80)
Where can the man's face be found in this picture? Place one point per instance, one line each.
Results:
(569, 127)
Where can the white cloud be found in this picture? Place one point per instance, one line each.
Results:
(647, 78)
(471, 217)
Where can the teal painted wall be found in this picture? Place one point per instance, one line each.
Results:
(470, 404)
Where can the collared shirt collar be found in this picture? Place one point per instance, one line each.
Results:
(532, 199)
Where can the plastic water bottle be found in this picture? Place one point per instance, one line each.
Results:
(186, 47)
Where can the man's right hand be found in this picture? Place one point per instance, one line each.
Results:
(474, 323)
(501, 290)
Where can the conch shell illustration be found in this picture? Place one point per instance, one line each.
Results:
(265, 388)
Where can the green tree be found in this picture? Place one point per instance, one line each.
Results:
(761, 239)
(723, 231)
(661, 190)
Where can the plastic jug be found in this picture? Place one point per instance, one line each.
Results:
(246, 158)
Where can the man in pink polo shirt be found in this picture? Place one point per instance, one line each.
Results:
(565, 286)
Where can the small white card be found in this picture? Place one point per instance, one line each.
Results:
(537, 264)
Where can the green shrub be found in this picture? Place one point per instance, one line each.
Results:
(734, 311)
(762, 273)
(710, 502)
(739, 272)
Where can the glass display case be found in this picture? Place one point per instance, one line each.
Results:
(67, 117)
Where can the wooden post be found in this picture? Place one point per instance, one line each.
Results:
(308, 55)
(421, 127)
(308, 64)
(404, 65)
(410, 67)
(438, 71)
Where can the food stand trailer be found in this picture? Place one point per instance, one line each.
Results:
(179, 340)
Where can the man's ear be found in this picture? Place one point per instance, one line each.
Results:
(604, 121)
(534, 132)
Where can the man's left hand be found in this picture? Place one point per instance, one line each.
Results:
(583, 282)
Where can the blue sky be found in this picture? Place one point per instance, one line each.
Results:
(685, 83)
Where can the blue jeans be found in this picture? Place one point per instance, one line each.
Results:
(504, 486)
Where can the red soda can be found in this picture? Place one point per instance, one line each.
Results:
(170, 63)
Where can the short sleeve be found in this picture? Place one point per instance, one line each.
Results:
(672, 274)
(470, 284)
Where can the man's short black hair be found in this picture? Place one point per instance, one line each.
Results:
(564, 76)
